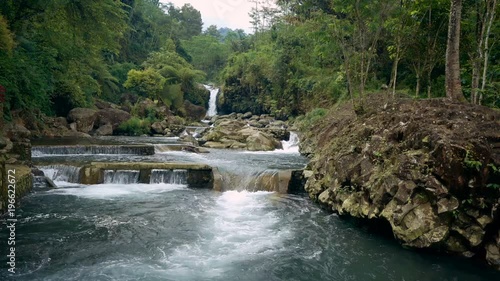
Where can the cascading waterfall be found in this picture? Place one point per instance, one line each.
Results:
(92, 150)
(292, 145)
(168, 176)
(212, 104)
(121, 176)
(62, 173)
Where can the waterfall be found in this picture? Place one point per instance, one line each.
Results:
(62, 173)
(168, 176)
(121, 176)
(267, 180)
(292, 145)
(212, 104)
(92, 150)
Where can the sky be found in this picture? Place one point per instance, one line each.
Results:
(223, 13)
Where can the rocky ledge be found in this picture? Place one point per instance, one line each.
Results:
(429, 169)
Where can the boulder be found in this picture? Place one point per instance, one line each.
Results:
(104, 130)
(158, 127)
(84, 119)
(218, 145)
(189, 139)
(112, 116)
(194, 112)
(16, 132)
(261, 142)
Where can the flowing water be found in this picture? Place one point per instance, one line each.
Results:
(212, 103)
(122, 230)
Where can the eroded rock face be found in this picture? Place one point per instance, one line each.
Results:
(428, 168)
(84, 119)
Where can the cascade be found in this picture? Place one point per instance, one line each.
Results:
(212, 104)
(168, 176)
(93, 149)
(62, 173)
(292, 145)
(121, 176)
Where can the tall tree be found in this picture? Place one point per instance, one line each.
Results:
(453, 83)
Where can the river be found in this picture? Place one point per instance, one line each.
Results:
(173, 232)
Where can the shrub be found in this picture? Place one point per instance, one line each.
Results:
(134, 127)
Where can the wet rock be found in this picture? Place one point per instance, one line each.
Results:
(493, 251)
(218, 145)
(83, 118)
(189, 139)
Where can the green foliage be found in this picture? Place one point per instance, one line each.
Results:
(470, 162)
(208, 53)
(311, 118)
(6, 38)
(135, 127)
(147, 82)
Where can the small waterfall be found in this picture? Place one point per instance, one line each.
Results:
(93, 149)
(212, 104)
(168, 176)
(121, 176)
(268, 180)
(292, 145)
(62, 173)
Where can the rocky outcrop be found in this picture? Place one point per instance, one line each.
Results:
(83, 119)
(428, 168)
(237, 131)
(16, 144)
(111, 116)
(194, 112)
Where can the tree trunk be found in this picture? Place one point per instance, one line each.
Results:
(417, 88)
(490, 17)
(453, 84)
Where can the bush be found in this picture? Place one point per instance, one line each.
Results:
(134, 127)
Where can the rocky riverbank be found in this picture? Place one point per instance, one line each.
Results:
(429, 169)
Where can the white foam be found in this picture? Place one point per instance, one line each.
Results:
(112, 191)
(241, 226)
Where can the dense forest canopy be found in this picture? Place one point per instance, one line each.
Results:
(59, 54)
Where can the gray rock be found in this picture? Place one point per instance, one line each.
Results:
(84, 118)
(105, 130)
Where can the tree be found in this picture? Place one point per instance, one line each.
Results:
(453, 83)
(485, 15)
